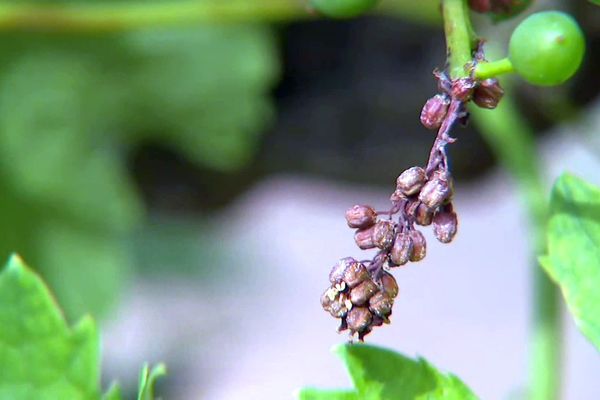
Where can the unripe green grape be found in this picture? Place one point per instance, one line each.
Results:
(547, 48)
(342, 8)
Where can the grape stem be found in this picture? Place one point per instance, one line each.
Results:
(486, 70)
(460, 37)
(509, 135)
(511, 139)
(137, 14)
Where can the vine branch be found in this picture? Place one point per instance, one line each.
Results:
(460, 38)
(111, 17)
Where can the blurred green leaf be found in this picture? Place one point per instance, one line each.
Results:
(381, 374)
(49, 147)
(148, 379)
(113, 393)
(71, 109)
(204, 90)
(42, 357)
(573, 259)
(87, 269)
(320, 394)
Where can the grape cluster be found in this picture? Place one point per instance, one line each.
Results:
(357, 299)
(362, 293)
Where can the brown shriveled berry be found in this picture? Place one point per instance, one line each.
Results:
(480, 6)
(361, 217)
(389, 286)
(327, 298)
(437, 190)
(488, 93)
(419, 245)
(462, 89)
(337, 272)
(383, 234)
(445, 225)
(355, 274)
(359, 319)
(423, 215)
(364, 238)
(377, 321)
(361, 335)
(334, 303)
(363, 292)
(411, 181)
(381, 305)
(338, 309)
(401, 249)
(434, 111)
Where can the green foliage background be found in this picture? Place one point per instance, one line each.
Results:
(42, 356)
(72, 107)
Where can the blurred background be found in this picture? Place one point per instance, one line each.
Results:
(185, 183)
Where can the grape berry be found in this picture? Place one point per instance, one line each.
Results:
(547, 48)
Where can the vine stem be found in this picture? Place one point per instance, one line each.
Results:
(437, 155)
(492, 69)
(111, 17)
(513, 142)
(459, 36)
(134, 15)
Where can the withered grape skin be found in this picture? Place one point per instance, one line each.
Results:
(383, 234)
(361, 217)
(434, 111)
(411, 181)
(488, 94)
(401, 250)
(445, 225)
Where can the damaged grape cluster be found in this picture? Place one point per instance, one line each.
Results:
(362, 293)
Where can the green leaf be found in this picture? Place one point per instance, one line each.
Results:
(73, 106)
(113, 393)
(54, 146)
(148, 380)
(320, 394)
(573, 259)
(41, 356)
(381, 374)
(205, 90)
(86, 268)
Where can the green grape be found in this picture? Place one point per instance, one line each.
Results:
(547, 48)
(342, 8)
